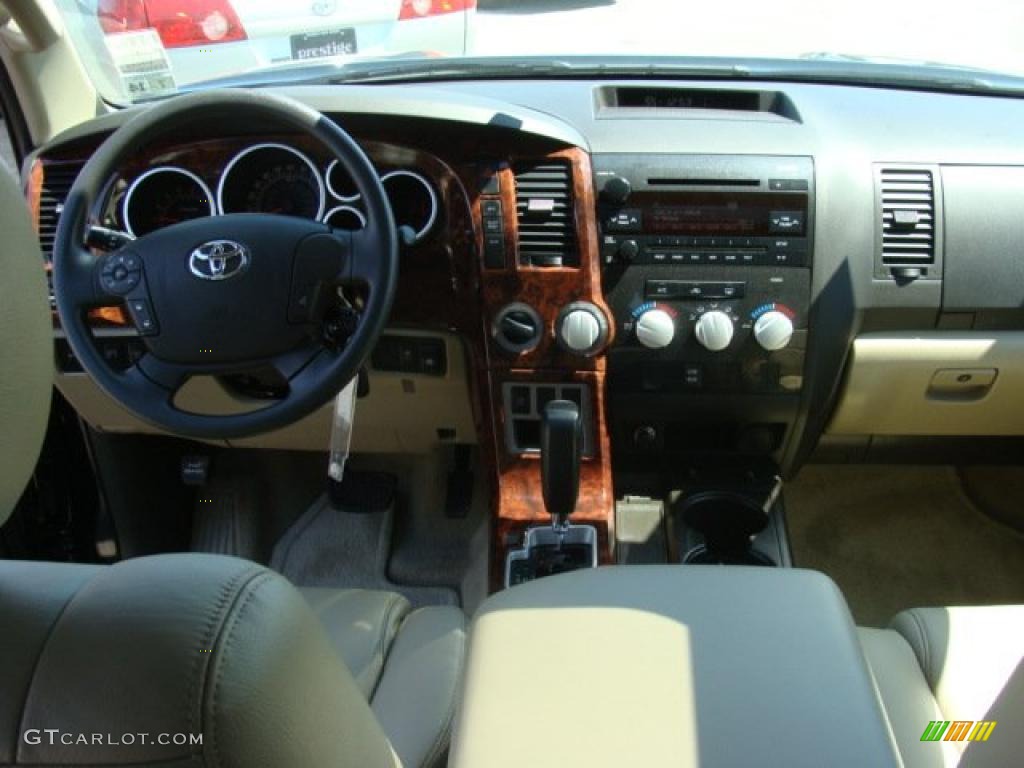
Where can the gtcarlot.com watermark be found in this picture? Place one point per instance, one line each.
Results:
(55, 736)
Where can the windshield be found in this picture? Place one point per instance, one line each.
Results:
(142, 49)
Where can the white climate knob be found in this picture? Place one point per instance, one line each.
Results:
(714, 330)
(580, 330)
(655, 329)
(773, 330)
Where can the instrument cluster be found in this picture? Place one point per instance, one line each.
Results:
(277, 178)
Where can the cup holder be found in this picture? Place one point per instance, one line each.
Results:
(728, 521)
(701, 555)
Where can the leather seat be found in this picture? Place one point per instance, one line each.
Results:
(216, 648)
(219, 661)
(407, 663)
(952, 665)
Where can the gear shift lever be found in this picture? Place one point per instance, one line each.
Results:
(561, 443)
(562, 547)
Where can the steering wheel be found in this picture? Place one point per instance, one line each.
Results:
(232, 293)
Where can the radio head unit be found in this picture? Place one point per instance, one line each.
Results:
(752, 211)
(722, 214)
(707, 276)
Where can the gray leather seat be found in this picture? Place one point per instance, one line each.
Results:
(407, 663)
(217, 651)
(952, 665)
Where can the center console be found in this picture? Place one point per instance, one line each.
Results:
(706, 269)
(662, 665)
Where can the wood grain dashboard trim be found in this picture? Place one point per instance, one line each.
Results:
(518, 497)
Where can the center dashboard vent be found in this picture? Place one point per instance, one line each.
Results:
(907, 203)
(545, 214)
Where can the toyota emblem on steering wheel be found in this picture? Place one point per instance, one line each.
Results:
(219, 260)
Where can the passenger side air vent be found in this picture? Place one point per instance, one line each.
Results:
(544, 211)
(907, 201)
(57, 180)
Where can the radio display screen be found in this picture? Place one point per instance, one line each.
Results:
(743, 214)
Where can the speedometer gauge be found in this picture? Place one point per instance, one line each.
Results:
(272, 178)
(286, 189)
(164, 196)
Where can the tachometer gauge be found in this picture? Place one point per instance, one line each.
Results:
(272, 178)
(164, 196)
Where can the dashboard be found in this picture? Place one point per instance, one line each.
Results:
(780, 269)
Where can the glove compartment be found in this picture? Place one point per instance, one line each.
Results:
(933, 383)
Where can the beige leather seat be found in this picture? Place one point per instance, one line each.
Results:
(950, 665)
(192, 644)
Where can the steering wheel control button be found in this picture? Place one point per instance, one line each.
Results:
(121, 274)
(142, 316)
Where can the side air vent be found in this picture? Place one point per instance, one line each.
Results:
(57, 180)
(544, 210)
(517, 328)
(908, 218)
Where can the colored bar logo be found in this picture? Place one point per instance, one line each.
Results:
(958, 730)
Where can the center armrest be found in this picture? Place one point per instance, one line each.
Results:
(669, 665)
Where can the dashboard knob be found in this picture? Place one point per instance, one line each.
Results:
(714, 330)
(655, 329)
(581, 328)
(628, 250)
(617, 190)
(773, 330)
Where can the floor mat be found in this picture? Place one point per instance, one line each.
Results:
(427, 546)
(898, 537)
(326, 547)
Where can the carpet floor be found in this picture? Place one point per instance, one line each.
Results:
(898, 537)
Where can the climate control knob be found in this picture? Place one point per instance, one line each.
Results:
(581, 329)
(714, 330)
(773, 330)
(655, 329)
